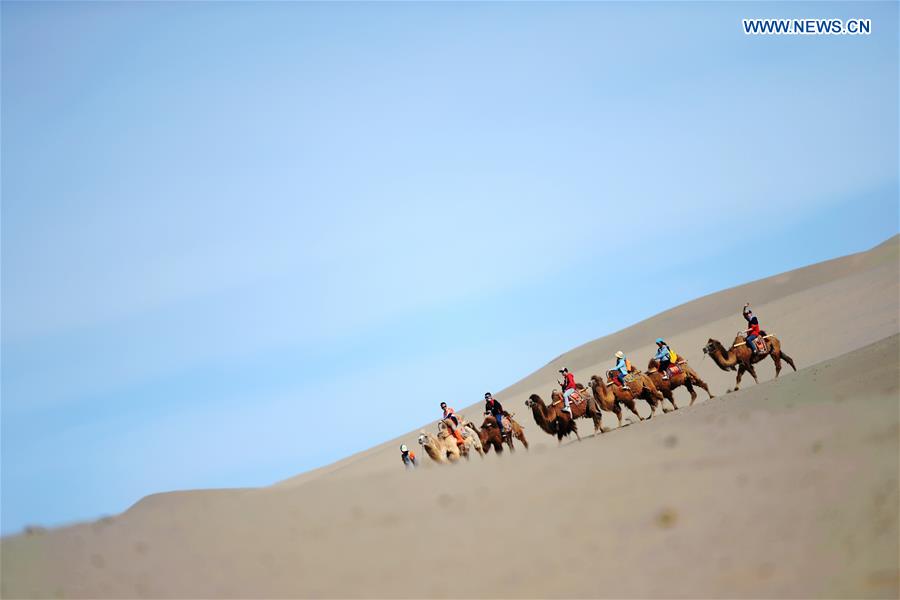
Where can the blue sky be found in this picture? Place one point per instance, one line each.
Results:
(218, 216)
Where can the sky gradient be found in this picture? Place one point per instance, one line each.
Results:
(216, 216)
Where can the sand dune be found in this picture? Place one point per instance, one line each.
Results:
(787, 488)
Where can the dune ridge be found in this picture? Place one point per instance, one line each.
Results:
(786, 488)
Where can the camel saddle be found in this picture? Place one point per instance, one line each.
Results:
(632, 377)
(760, 343)
(674, 370)
(577, 397)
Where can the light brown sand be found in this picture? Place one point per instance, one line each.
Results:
(785, 489)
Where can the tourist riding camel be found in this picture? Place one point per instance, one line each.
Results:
(747, 350)
(683, 376)
(610, 402)
(568, 387)
(491, 436)
(493, 407)
(552, 419)
(753, 331)
(623, 368)
(452, 422)
(664, 357)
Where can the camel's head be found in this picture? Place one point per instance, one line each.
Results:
(422, 439)
(532, 400)
(710, 346)
(595, 380)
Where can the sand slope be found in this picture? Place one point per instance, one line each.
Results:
(788, 488)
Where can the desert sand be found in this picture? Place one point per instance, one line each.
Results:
(788, 488)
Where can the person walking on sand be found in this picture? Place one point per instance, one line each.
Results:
(408, 458)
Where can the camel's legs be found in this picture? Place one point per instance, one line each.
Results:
(742, 368)
(659, 397)
(787, 359)
(752, 370)
(690, 388)
(668, 396)
(777, 360)
(697, 381)
(654, 404)
(630, 405)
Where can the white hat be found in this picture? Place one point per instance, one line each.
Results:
(403, 448)
(620, 354)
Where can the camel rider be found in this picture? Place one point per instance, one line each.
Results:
(663, 357)
(493, 407)
(753, 329)
(622, 368)
(408, 458)
(568, 387)
(451, 418)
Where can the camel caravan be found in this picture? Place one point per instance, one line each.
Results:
(623, 386)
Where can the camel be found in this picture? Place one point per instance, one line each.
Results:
(608, 401)
(469, 434)
(740, 356)
(492, 438)
(637, 385)
(583, 407)
(551, 419)
(439, 449)
(687, 378)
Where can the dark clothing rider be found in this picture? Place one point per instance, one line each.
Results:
(493, 407)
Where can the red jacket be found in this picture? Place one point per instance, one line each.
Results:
(570, 382)
(753, 322)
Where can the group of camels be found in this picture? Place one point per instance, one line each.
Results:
(444, 448)
(605, 396)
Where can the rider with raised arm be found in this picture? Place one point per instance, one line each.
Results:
(753, 330)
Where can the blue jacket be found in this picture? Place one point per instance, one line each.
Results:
(663, 354)
(621, 367)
